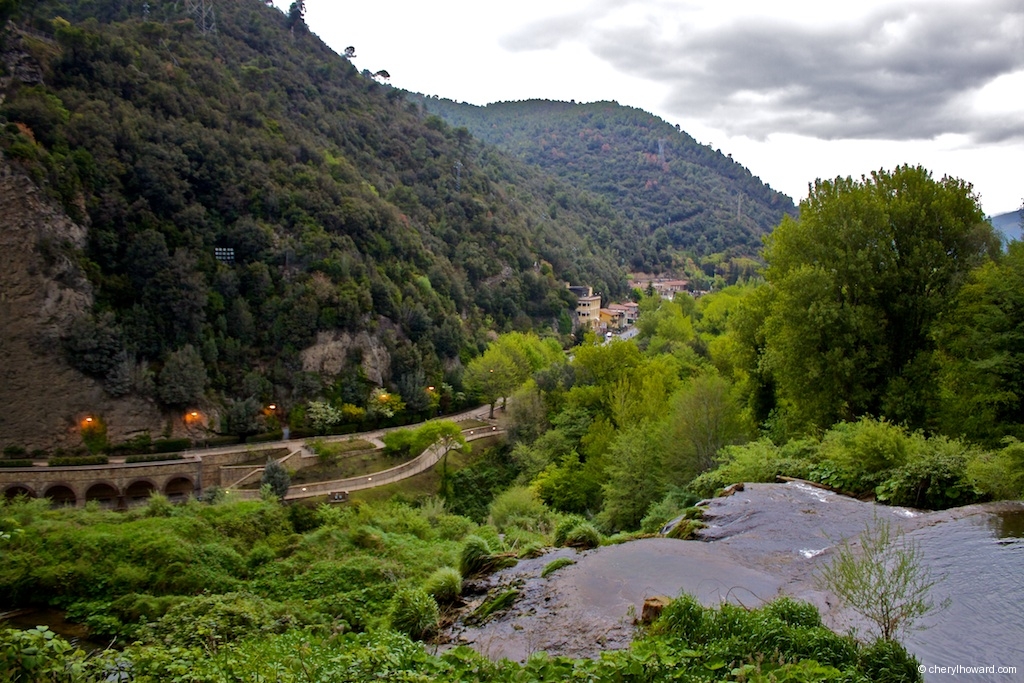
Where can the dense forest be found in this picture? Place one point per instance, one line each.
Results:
(337, 207)
(684, 197)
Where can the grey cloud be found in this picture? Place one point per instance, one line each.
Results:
(901, 73)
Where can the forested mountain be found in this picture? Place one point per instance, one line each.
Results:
(351, 217)
(684, 195)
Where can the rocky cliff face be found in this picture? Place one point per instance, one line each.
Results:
(42, 289)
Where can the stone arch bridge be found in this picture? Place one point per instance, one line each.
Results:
(121, 485)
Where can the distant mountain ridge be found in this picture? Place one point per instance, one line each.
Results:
(1009, 225)
(686, 195)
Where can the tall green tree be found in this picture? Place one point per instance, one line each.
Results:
(982, 345)
(183, 378)
(633, 479)
(858, 282)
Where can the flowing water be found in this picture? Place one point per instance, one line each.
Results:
(767, 540)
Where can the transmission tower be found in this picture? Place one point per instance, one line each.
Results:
(202, 12)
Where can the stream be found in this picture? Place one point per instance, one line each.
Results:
(765, 541)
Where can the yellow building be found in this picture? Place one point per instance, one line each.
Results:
(588, 306)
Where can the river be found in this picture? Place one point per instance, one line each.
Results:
(768, 540)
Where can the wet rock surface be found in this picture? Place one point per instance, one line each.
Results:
(764, 541)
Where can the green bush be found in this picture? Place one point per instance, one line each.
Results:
(16, 463)
(934, 477)
(671, 506)
(583, 535)
(564, 526)
(14, 451)
(886, 661)
(75, 461)
(210, 621)
(171, 445)
(444, 585)
(475, 557)
(520, 507)
(414, 613)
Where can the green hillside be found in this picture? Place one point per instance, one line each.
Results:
(347, 208)
(683, 195)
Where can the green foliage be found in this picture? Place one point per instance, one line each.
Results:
(276, 477)
(883, 580)
(858, 284)
(209, 622)
(38, 654)
(183, 378)
(631, 159)
(409, 443)
(675, 502)
(495, 604)
(471, 490)
(414, 613)
(703, 417)
(477, 557)
(999, 474)
(553, 566)
(76, 460)
(633, 479)
(520, 507)
(583, 536)
(980, 340)
(886, 661)
(444, 585)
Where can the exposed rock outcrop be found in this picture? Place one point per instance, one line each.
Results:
(42, 289)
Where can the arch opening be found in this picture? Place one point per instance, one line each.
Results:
(15, 490)
(104, 494)
(138, 492)
(61, 496)
(179, 489)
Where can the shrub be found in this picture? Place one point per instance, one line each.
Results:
(475, 557)
(564, 526)
(16, 463)
(14, 451)
(171, 445)
(414, 613)
(793, 612)
(886, 661)
(210, 621)
(520, 507)
(444, 585)
(583, 535)
(276, 477)
(73, 461)
(368, 537)
(933, 477)
(661, 513)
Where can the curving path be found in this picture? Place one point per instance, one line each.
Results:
(411, 468)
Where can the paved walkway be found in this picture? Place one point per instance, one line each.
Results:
(410, 468)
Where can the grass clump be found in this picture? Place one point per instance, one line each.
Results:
(553, 566)
(493, 606)
(414, 613)
(576, 532)
(444, 585)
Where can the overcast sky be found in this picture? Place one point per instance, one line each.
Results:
(795, 90)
